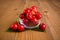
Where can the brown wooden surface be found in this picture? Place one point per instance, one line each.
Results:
(9, 9)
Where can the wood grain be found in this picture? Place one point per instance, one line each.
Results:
(10, 9)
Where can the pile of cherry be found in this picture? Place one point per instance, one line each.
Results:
(30, 17)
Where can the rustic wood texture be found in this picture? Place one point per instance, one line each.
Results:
(10, 9)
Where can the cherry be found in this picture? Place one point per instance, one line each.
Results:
(21, 16)
(29, 16)
(21, 27)
(25, 21)
(38, 15)
(42, 26)
(34, 8)
(28, 10)
(34, 20)
(33, 13)
(14, 26)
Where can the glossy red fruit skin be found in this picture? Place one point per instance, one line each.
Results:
(21, 16)
(38, 15)
(25, 21)
(29, 16)
(34, 20)
(33, 13)
(21, 28)
(14, 26)
(34, 8)
(42, 26)
(28, 10)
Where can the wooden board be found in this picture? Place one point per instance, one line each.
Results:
(9, 11)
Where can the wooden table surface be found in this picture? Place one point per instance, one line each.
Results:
(9, 9)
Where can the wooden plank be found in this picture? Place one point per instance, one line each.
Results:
(8, 14)
(9, 11)
(51, 21)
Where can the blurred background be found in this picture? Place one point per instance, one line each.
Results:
(10, 9)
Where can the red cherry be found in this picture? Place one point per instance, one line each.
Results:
(33, 13)
(42, 26)
(21, 27)
(28, 10)
(21, 16)
(34, 8)
(25, 20)
(29, 16)
(34, 20)
(38, 15)
(14, 26)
